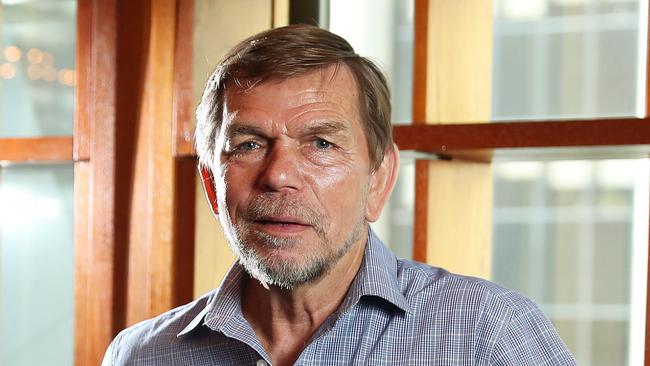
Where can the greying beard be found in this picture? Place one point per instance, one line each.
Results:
(287, 275)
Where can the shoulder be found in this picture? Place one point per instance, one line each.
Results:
(423, 282)
(171, 322)
(161, 331)
(505, 327)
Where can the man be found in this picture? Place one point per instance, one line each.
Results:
(296, 153)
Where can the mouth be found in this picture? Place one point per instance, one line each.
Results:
(281, 225)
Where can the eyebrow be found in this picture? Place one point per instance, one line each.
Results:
(318, 128)
(243, 129)
(325, 128)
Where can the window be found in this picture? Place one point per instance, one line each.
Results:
(36, 214)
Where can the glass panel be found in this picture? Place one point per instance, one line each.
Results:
(395, 226)
(573, 236)
(36, 265)
(37, 67)
(561, 59)
(381, 30)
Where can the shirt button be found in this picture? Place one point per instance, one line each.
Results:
(261, 362)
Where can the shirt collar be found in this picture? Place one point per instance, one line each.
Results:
(377, 277)
(224, 303)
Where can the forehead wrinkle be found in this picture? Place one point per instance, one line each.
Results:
(242, 128)
(324, 127)
(306, 97)
(324, 120)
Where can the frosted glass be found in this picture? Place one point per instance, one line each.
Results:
(36, 265)
(569, 59)
(381, 30)
(37, 74)
(573, 236)
(395, 226)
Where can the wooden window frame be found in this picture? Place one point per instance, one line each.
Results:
(104, 102)
(600, 138)
(36, 149)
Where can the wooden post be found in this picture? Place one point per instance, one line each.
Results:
(99, 260)
(134, 235)
(456, 195)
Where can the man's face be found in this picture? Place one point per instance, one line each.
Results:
(293, 175)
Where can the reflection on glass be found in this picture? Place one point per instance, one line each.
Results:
(381, 30)
(562, 59)
(37, 74)
(395, 226)
(572, 235)
(36, 265)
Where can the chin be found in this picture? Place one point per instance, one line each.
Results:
(284, 273)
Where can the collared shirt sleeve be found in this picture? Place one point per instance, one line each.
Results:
(529, 338)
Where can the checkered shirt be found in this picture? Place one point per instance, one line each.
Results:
(396, 312)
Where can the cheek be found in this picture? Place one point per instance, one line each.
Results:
(339, 189)
(326, 178)
(344, 170)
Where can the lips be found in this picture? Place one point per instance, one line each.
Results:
(283, 215)
(282, 226)
(272, 220)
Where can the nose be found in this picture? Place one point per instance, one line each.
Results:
(281, 173)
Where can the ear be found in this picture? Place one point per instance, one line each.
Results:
(208, 187)
(382, 182)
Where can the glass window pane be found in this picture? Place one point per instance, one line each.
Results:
(36, 265)
(395, 226)
(568, 59)
(573, 236)
(37, 67)
(381, 30)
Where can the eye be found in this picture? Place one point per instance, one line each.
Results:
(322, 144)
(248, 146)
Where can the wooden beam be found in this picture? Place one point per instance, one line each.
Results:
(160, 238)
(458, 88)
(183, 255)
(523, 134)
(99, 279)
(82, 237)
(184, 155)
(420, 219)
(134, 238)
(84, 72)
(647, 312)
(33, 149)
(183, 104)
(161, 175)
(279, 13)
(435, 138)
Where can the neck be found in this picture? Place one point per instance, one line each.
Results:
(285, 320)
